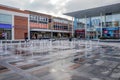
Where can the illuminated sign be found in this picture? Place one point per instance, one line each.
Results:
(6, 26)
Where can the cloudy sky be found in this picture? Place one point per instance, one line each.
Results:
(56, 7)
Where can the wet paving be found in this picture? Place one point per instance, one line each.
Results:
(102, 63)
(105, 67)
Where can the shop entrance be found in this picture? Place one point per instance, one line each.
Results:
(5, 34)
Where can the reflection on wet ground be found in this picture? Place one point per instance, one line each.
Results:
(102, 63)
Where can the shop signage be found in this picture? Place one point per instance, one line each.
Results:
(6, 26)
(112, 28)
(109, 29)
(105, 32)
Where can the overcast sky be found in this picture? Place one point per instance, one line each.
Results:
(57, 7)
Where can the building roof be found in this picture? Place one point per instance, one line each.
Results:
(37, 13)
(9, 8)
(114, 8)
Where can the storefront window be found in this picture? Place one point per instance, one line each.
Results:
(89, 24)
(109, 20)
(96, 21)
(116, 20)
(113, 20)
(79, 23)
(5, 26)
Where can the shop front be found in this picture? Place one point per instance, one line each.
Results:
(61, 35)
(40, 35)
(5, 31)
(91, 34)
(111, 32)
(80, 33)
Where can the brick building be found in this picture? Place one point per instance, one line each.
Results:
(16, 24)
(39, 25)
(13, 23)
(61, 27)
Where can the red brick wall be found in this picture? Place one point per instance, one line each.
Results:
(21, 27)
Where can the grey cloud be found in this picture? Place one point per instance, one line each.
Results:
(58, 8)
(40, 5)
(75, 5)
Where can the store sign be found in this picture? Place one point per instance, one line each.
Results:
(82, 30)
(105, 32)
(109, 29)
(6, 26)
(112, 28)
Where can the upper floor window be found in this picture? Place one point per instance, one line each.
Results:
(38, 19)
(33, 18)
(4, 18)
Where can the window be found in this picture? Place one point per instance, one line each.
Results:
(33, 18)
(6, 19)
(108, 24)
(116, 23)
(96, 21)
(50, 20)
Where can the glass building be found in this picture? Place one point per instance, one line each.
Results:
(100, 22)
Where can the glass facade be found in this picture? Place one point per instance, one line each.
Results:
(112, 24)
(60, 27)
(106, 26)
(79, 27)
(60, 24)
(79, 23)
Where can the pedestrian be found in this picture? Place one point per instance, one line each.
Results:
(70, 39)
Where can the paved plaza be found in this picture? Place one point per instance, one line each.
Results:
(60, 60)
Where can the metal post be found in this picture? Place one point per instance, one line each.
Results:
(86, 49)
(101, 25)
(85, 27)
(28, 27)
(12, 33)
(51, 27)
(72, 27)
(119, 33)
(96, 34)
(1, 48)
